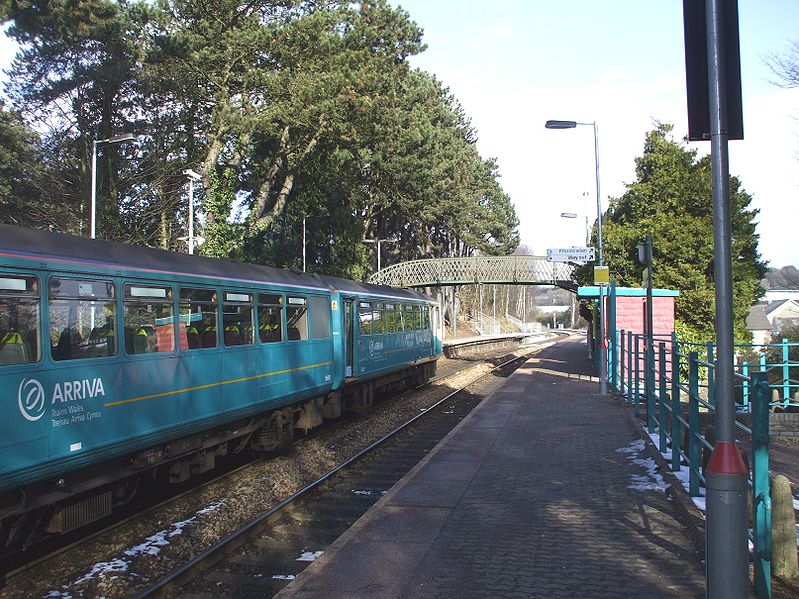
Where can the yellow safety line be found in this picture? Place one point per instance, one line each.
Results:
(218, 384)
(395, 350)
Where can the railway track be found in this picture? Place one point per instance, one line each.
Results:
(261, 557)
(364, 491)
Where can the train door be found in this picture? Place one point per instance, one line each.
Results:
(349, 337)
(438, 329)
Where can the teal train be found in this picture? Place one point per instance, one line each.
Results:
(119, 362)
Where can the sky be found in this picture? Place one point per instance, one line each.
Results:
(514, 64)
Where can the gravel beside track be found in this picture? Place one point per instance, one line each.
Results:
(129, 558)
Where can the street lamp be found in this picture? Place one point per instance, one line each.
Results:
(378, 242)
(574, 215)
(102, 142)
(192, 178)
(603, 353)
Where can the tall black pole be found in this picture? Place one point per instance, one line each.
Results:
(726, 474)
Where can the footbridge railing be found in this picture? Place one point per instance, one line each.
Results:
(509, 270)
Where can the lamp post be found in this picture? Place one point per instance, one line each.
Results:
(378, 242)
(102, 142)
(603, 350)
(192, 178)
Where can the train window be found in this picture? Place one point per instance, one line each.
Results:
(425, 318)
(402, 318)
(409, 316)
(198, 318)
(365, 318)
(320, 317)
(270, 317)
(19, 320)
(378, 325)
(82, 316)
(237, 318)
(417, 312)
(297, 318)
(390, 315)
(149, 317)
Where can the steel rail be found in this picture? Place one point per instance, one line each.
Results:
(12, 574)
(236, 539)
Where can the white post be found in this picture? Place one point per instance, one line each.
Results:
(303, 244)
(482, 326)
(495, 303)
(524, 306)
(378, 241)
(192, 178)
(191, 215)
(92, 224)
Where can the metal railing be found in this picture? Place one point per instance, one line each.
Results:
(525, 327)
(677, 389)
(486, 325)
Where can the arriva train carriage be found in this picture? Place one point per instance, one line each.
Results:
(118, 362)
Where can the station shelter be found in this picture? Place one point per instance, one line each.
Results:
(625, 310)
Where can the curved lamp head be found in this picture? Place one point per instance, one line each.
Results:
(117, 139)
(560, 124)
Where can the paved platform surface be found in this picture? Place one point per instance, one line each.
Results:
(531, 496)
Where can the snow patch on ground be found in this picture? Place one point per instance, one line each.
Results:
(150, 546)
(683, 474)
(309, 556)
(650, 480)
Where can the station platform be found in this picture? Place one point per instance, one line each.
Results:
(545, 490)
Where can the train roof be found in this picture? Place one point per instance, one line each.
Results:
(370, 289)
(21, 241)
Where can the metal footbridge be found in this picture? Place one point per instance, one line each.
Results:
(507, 270)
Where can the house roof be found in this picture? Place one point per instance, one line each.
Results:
(783, 309)
(756, 319)
(774, 305)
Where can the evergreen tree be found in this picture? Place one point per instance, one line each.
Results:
(20, 200)
(287, 109)
(671, 199)
(73, 81)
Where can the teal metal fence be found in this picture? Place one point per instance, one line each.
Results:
(675, 382)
